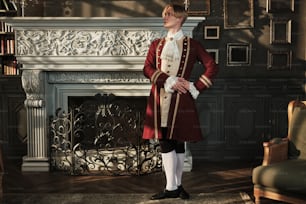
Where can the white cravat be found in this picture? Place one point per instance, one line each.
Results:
(171, 51)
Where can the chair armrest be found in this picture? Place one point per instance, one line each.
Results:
(275, 151)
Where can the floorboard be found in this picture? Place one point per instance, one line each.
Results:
(205, 177)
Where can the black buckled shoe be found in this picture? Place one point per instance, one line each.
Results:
(182, 193)
(166, 194)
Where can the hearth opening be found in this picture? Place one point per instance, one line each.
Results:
(102, 134)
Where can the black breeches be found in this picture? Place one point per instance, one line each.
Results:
(167, 145)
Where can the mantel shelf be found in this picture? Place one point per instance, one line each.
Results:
(92, 22)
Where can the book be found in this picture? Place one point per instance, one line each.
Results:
(5, 5)
(10, 68)
(2, 45)
(11, 6)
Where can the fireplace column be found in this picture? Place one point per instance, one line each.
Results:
(37, 146)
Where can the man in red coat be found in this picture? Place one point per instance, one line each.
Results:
(171, 114)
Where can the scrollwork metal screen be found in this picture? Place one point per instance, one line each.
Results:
(102, 135)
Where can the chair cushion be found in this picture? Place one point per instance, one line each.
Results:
(286, 176)
(297, 134)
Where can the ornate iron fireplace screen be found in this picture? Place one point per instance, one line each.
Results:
(102, 134)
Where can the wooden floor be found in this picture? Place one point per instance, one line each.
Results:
(205, 177)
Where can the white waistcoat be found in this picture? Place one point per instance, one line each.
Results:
(170, 68)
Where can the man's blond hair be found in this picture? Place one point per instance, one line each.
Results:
(179, 11)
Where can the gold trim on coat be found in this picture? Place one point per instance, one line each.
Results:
(178, 95)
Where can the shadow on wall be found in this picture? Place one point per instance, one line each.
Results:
(89, 8)
(102, 8)
(144, 8)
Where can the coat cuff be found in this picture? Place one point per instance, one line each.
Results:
(203, 83)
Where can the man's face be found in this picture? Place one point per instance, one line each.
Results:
(170, 21)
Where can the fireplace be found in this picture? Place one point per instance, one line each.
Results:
(102, 135)
(80, 57)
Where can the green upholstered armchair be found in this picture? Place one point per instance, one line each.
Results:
(282, 175)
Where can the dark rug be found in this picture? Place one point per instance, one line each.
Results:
(78, 198)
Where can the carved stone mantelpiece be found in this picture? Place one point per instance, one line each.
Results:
(104, 42)
(64, 57)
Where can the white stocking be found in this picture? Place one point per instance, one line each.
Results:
(179, 168)
(170, 161)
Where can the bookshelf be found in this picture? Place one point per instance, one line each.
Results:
(8, 8)
(8, 63)
(12, 95)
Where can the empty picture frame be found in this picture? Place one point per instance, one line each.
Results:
(238, 54)
(238, 14)
(214, 53)
(211, 32)
(278, 6)
(198, 7)
(280, 31)
(279, 60)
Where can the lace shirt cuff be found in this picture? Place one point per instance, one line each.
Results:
(169, 83)
(193, 90)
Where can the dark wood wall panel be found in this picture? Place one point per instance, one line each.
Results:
(209, 114)
(238, 115)
(242, 118)
(13, 118)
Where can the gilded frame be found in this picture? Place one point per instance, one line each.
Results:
(211, 32)
(214, 53)
(198, 7)
(238, 14)
(278, 6)
(280, 31)
(279, 60)
(238, 54)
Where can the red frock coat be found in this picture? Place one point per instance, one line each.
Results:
(183, 121)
